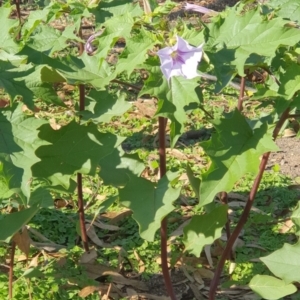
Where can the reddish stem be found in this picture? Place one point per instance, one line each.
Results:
(246, 211)
(11, 270)
(224, 200)
(79, 175)
(241, 96)
(17, 2)
(81, 213)
(163, 227)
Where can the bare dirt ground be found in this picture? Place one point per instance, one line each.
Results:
(288, 158)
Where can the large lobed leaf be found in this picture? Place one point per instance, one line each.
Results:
(204, 229)
(117, 168)
(6, 24)
(101, 106)
(238, 36)
(73, 148)
(271, 288)
(150, 202)
(287, 9)
(234, 150)
(18, 142)
(284, 263)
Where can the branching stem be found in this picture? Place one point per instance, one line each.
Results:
(245, 214)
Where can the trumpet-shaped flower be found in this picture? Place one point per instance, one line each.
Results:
(180, 60)
(197, 8)
(88, 47)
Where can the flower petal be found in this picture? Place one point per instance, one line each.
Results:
(197, 8)
(88, 47)
(180, 60)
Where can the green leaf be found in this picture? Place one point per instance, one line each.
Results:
(109, 8)
(10, 177)
(11, 223)
(135, 52)
(247, 32)
(149, 202)
(284, 263)
(42, 196)
(194, 181)
(290, 81)
(234, 150)
(117, 168)
(12, 80)
(44, 90)
(6, 24)
(19, 140)
(105, 205)
(296, 218)
(115, 28)
(73, 148)
(287, 9)
(74, 70)
(48, 38)
(33, 20)
(101, 106)
(204, 229)
(33, 272)
(271, 288)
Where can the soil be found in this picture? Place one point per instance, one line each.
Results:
(288, 158)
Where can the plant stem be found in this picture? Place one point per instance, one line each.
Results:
(11, 270)
(163, 227)
(246, 211)
(79, 175)
(81, 213)
(241, 96)
(17, 2)
(138, 88)
(224, 200)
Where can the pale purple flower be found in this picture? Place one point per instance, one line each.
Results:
(198, 8)
(180, 60)
(88, 47)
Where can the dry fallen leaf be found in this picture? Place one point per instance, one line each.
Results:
(132, 294)
(196, 292)
(88, 257)
(91, 233)
(88, 290)
(237, 196)
(116, 217)
(186, 274)
(140, 262)
(101, 225)
(35, 261)
(198, 277)
(22, 240)
(95, 270)
(205, 273)
(286, 226)
(179, 231)
(54, 125)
